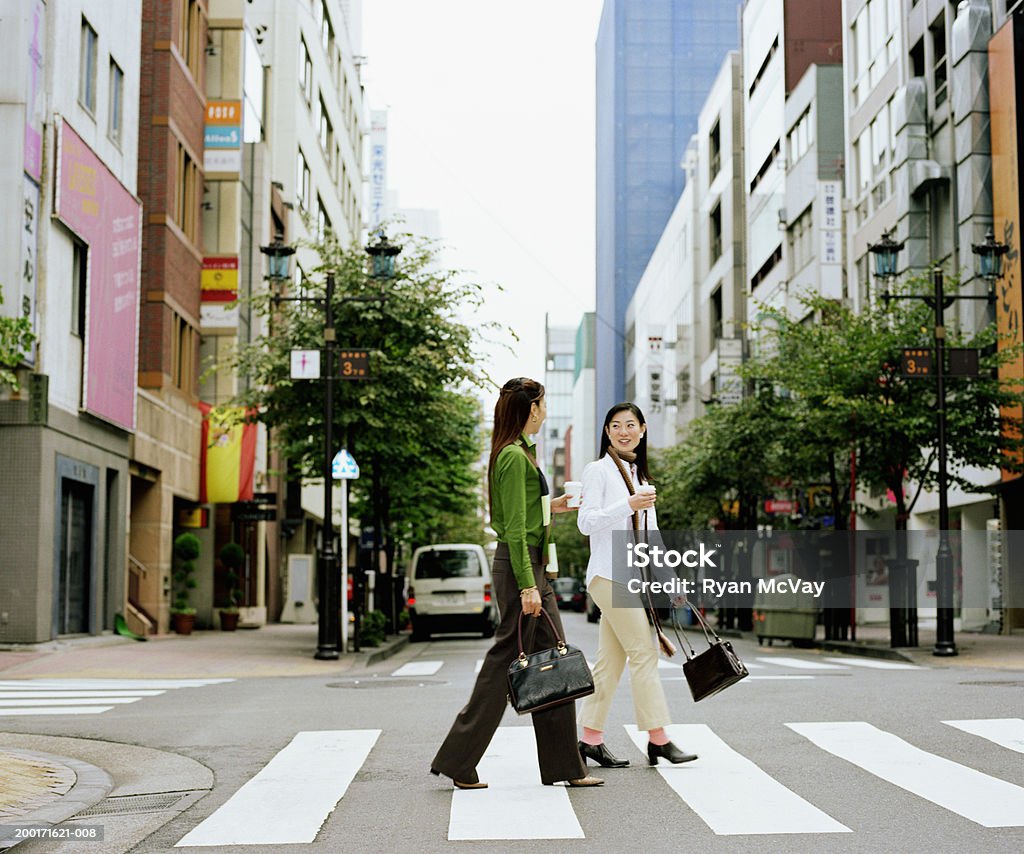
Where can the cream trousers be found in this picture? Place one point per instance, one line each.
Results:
(625, 634)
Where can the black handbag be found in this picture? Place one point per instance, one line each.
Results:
(547, 678)
(716, 668)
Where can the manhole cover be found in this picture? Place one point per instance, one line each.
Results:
(1009, 684)
(370, 682)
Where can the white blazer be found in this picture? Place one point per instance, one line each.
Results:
(605, 509)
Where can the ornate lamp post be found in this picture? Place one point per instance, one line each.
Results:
(990, 255)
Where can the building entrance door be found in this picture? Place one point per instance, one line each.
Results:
(75, 579)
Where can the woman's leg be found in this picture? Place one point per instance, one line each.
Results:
(611, 659)
(475, 725)
(554, 728)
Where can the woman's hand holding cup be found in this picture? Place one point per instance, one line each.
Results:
(645, 496)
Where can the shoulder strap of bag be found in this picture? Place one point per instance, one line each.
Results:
(652, 612)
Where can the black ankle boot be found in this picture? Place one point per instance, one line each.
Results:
(601, 755)
(667, 751)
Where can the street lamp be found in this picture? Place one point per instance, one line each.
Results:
(886, 252)
(383, 254)
(328, 586)
(990, 267)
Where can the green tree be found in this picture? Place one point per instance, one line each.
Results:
(16, 339)
(413, 426)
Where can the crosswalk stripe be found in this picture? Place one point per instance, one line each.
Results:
(730, 793)
(479, 665)
(83, 701)
(419, 668)
(13, 695)
(1006, 732)
(56, 710)
(677, 661)
(516, 805)
(801, 663)
(876, 664)
(779, 677)
(978, 797)
(291, 797)
(98, 684)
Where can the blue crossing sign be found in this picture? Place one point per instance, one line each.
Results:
(344, 466)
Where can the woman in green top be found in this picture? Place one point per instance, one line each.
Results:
(520, 514)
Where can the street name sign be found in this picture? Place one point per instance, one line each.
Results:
(355, 364)
(916, 362)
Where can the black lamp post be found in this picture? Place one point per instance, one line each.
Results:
(990, 268)
(328, 584)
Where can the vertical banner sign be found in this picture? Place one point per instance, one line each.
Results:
(101, 212)
(222, 137)
(219, 293)
(830, 229)
(378, 167)
(29, 243)
(33, 155)
(1006, 61)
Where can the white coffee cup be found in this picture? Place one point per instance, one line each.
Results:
(574, 489)
(646, 489)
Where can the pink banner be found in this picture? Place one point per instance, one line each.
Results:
(98, 208)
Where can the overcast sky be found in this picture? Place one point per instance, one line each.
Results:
(491, 122)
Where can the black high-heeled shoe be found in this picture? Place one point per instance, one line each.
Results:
(667, 751)
(601, 755)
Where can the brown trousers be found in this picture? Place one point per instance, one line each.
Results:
(554, 729)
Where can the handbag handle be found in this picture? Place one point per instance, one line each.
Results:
(519, 630)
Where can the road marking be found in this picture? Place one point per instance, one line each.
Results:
(24, 703)
(876, 664)
(56, 710)
(479, 665)
(13, 695)
(50, 696)
(731, 794)
(291, 797)
(678, 661)
(1006, 732)
(419, 668)
(516, 805)
(978, 797)
(800, 663)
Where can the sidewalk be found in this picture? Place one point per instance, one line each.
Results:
(272, 650)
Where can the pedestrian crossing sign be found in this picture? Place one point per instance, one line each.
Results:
(344, 466)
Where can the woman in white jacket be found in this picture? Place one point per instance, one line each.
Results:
(608, 506)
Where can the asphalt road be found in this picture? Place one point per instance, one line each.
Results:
(812, 753)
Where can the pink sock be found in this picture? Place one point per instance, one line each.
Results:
(593, 737)
(657, 736)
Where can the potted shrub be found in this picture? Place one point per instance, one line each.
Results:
(232, 558)
(186, 550)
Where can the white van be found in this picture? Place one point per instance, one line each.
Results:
(448, 589)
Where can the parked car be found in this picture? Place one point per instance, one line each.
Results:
(570, 593)
(448, 589)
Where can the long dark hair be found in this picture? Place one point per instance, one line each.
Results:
(641, 449)
(510, 416)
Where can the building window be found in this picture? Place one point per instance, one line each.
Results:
(917, 59)
(186, 194)
(326, 131)
(801, 240)
(716, 315)
(875, 40)
(714, 152)
(764, 66)
(326, 31)
(939, 74)
(715, 234)
(182, 353)
(766, 267)
(190, 30)
(302, 181)
(305, 72)
(87, 67)
(79, 280)
(323, 221)
(763, 171)
(116, 102)
(800, 138)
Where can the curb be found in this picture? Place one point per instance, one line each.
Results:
(91, 786)
(864, 650)
(386, 651)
